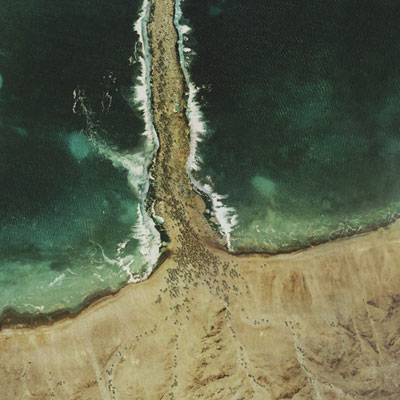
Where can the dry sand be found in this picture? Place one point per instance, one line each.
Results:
(323, 323)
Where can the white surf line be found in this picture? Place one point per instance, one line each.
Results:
(226, 216)
(57, 280)
(156, 217)
(136, 164)
(38, 308)
(145, 230)
(143, 88)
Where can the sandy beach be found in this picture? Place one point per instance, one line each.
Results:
(323, 323)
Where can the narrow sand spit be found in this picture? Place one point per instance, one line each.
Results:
(323, 323)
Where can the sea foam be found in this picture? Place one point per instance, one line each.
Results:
(136, 164)
(226, 216)
(144, 231)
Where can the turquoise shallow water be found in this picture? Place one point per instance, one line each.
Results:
(72, 155)
(300, 106)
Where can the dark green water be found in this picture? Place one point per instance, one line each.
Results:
(72, 152)
(301, 102)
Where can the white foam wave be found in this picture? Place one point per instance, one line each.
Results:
(226, 216)
(143, 87)
(144, 231)
(198, 128)
(156, 217)
(57, 280)
(150, 241)
(136, 164)
(38, 308)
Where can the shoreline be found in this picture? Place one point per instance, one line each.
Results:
(208, 322)
(226, 217)
(321, 323)
(177, 143)
(12, 319)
